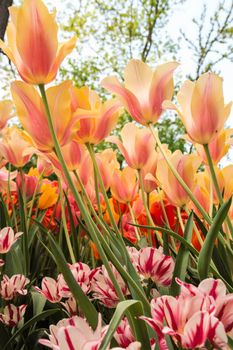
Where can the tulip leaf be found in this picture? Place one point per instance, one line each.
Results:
(140, 330)
(82, 300)
(206, 252)
(182, 258)
(30, 323)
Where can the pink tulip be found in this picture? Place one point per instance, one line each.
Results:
(7, 239)
(137, 145)
(74, 334)
(107, 163)
(124, 335)
(124, 185)
(186, 165)
(103, 289)
(82, 275)
(50, 289)
(144, 90)
(133, 346)
(30, 184)
(70, 306)
(203, 111)
(12, 286)
(152, 263)
(97, 119)
(12, 314)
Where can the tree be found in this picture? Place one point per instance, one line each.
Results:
(4, 14)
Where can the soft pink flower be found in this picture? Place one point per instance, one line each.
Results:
(124, 335)
(71, 306)
(12, 314)
(74, 334)
(50, 289)
(81, 273)
(7, 239)
(144, 91)
(152, 263)
(137, 145)
(124, 187)
(12, 286)
(103, 288)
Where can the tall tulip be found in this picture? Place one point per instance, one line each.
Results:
(6, 108)
(32, 115)
(203, 111)
(124, 185)
(144, 90)
(186, 166)
(32, 42)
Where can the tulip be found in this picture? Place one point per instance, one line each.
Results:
(107, 164)
(49, 195)
(124, 335)
(82, 275)
(6, 107)
(16, 146)
(32, 115)
(97, 119)
(12, 314)
(10, 287)
(144, 90)
(137, 145)
(50, 289)
(124, 185)
(103, 288)
(35, 53)
(202, 107)
(186, 166)
(7, 239)
(29, 184)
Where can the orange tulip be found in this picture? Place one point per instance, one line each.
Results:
(97, 119)
(124, 187)
(202, 107)
(6, 107)
(144, 90)
(107, 163)
(31, 112)
(16, 146)
(32, 42)
(49, 195)
(218, 146)
(137, 145)
(186, 165)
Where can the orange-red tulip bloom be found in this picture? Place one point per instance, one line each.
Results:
(32, 43)
(144, 90)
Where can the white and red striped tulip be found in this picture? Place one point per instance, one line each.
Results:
(71, 306)
(7, 239)
(12, 314)
(103, 289)
(152, 263)
(124, 335)
(12, 286)
(133, 346)
(81, 273)
(75, 334)
(50, 289)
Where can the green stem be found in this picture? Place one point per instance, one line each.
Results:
(149, 217)
(215, 182)
(25, 235)
(134, 222)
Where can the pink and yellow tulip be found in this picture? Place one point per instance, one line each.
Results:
(124, 187)
(35, 53)
(144, 91)
(6, 108)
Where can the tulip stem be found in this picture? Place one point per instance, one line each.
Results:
(215, 182)
(134, 221)
(149, 217)
(25, 235)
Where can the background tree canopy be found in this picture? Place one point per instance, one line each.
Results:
(111, 33)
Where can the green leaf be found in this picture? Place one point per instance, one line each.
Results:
(140, 330)
(206, 252)
(38, 301)
(14, 260)
(30, 323)
(82, 300)
(182, 258)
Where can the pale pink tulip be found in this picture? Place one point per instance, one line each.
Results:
(124, 335)
(82, 275)
(12, 286)
(103, 289)
(50, 289)
(6, 108)
(124, 187)
(75, 334)
(144, 90)
(137, 145)
(203, 111)
(107, 164)
(7, 239)
(12, 314)
(186, 165)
